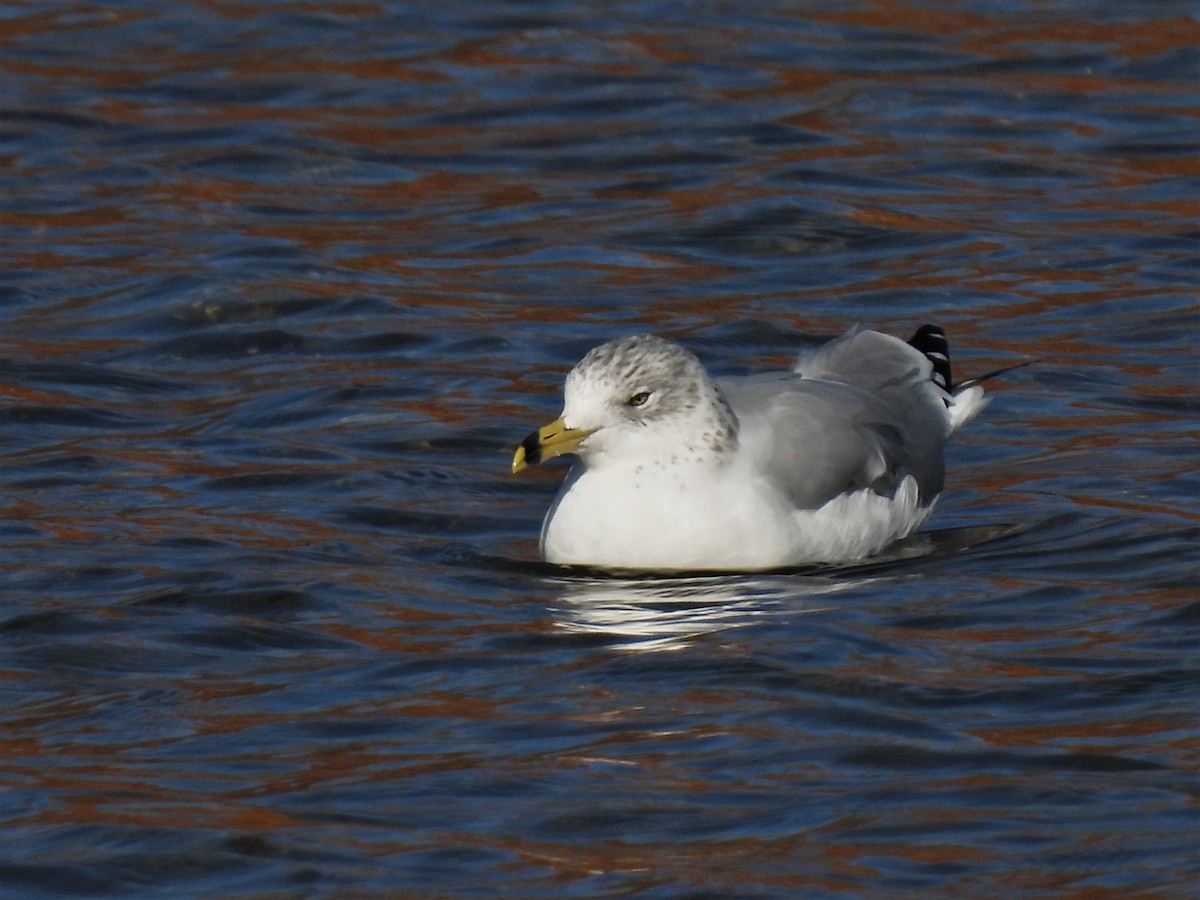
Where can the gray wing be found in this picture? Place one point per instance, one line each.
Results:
(859, 413)
(876, 362)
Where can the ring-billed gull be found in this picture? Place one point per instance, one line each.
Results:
(829, 461)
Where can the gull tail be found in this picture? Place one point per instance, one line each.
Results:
(964, 400)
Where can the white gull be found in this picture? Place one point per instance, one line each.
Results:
(828, 462)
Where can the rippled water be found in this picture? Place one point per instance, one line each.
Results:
(283, 284)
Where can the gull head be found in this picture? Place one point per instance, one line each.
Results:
(637, 400)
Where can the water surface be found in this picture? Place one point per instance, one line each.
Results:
(283, 284)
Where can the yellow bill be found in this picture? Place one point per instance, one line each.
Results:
(546, 443)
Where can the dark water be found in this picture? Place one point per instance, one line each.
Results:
(283, 283)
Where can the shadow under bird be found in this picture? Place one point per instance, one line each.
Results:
(677, 471)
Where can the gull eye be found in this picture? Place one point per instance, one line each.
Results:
(638, 399)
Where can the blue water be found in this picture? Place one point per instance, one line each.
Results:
(281, 287)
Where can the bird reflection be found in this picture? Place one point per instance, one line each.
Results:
(665, 613)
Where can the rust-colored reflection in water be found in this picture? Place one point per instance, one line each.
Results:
(282, 284)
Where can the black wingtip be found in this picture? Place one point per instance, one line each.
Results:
(995, 372)
(931, 340)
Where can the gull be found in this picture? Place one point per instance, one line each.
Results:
(830, 461)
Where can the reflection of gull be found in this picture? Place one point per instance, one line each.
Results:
(830, 461)
(661, 614)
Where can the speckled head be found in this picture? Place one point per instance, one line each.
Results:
(647, 399)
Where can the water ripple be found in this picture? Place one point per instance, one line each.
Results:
(283, 284)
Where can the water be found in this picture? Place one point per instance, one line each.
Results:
(283, 285)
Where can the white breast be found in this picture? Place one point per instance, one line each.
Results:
(701, 518)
